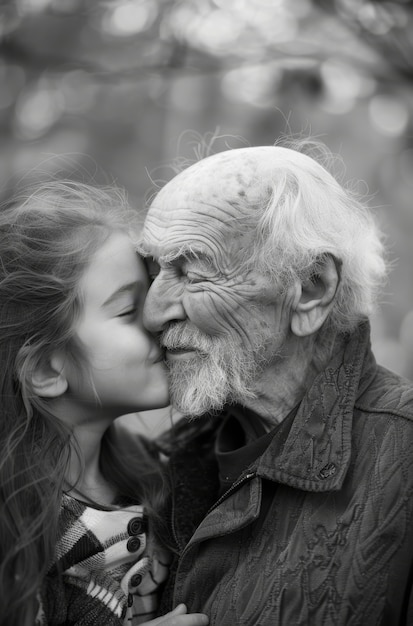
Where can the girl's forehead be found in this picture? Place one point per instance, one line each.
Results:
(114, 265)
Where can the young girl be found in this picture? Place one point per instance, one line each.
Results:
(80, 533)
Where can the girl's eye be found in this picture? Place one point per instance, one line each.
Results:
(129, 313)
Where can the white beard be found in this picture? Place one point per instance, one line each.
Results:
(220, 371)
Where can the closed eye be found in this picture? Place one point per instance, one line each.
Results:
(194, 278)
(129, 313)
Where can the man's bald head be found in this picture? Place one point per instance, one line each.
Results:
(280, 211)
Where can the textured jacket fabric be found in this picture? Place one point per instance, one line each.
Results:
(318, 531)
(109, 574)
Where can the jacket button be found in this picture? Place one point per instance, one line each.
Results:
(134, 543)
(328, 470)
(136, 580)
(136, 526)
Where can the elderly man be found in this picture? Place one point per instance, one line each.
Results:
(293, 493)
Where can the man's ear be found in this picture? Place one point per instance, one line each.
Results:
(314, 297)
(48, 379)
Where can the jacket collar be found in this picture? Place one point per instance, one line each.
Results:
(311, 449)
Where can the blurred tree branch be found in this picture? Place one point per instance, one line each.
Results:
(386, 26)
(55, 42)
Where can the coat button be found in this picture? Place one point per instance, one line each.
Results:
(136, 526)
(328, 470)
(136, 580)
(134, 543)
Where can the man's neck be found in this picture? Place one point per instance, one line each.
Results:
(284, 382)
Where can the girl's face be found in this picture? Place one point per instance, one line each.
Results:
(124, 366)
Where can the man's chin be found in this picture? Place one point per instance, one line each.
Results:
(201, 383)
(196, 410)
(191, 400)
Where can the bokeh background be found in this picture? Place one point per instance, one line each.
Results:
(115, 90)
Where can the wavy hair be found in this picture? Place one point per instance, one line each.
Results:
(307, 215)
(47, 238)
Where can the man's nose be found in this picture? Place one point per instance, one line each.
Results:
(163, 305)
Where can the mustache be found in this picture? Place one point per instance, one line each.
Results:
(182, 336)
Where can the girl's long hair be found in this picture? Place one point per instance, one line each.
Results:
(47, 239)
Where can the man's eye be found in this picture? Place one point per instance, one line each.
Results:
(194, 278)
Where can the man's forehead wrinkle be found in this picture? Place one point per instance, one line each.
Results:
(170, 241)
(220, 214)
(205, 245)
(214, 238)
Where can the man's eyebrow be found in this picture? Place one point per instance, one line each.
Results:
(186, 252)
(124, 289)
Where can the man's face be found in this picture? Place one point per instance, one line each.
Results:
(221, 327)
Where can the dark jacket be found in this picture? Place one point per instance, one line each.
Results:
(318, 531)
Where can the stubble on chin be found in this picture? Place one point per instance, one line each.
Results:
(205, 383)
(197, 387)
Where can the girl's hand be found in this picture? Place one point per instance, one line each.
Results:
(179, 617)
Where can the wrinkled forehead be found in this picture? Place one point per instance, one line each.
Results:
(210, 199)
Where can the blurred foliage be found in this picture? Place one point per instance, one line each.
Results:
(107, 89)
(92, 67)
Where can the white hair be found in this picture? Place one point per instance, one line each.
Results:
(299, 214)
(305, 215)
